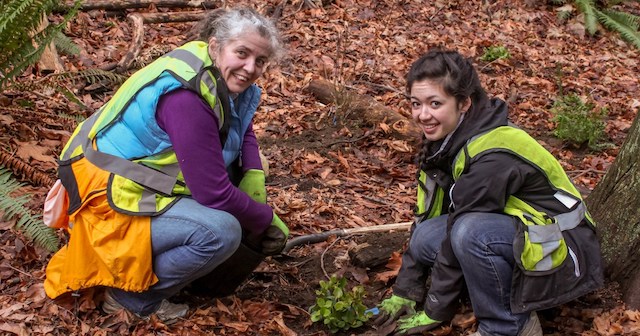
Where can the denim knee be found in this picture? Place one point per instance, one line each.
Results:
(426, 239)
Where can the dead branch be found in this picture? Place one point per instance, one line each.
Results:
(136, 43)
(24, 170)
(368, 108)
(172, 17)
(125, 4)
(137, 23)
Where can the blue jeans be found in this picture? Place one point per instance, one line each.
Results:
(483, 245)
(189, 240)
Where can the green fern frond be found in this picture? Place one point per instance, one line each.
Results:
(588, 8)
(613, 22)
(31, 225)
(57, 82)
(13, 12)
(19, 20)
(627, 19)
(564, 15)
(72, 117)
(91, 76)
(65, 45)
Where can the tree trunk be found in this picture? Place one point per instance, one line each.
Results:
(366, 107)
(615, 206)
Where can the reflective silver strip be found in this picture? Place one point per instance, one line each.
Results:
(549, 236)
(147, 202)
(170, 169)
(430, 185)
(83, 134)
(186, 56)
(211, 85)
(133, 171)
(563, 222)
(547, 263)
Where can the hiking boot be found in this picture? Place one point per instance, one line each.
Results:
(168, 313)
(531, 328)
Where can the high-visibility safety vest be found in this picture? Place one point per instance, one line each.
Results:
(544, 246)
(150, 183)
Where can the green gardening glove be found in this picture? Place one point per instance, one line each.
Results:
(275, 237)
(252, 184)
(392, 308)
(416, 324)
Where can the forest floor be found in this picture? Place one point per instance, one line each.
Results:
(330, 166)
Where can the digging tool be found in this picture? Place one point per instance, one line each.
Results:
(323, 236)
(226, 278)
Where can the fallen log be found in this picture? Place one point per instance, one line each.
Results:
(125, 4)
(371, 256)
(366, 106)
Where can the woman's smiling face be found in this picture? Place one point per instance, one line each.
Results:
(241, 61)
(436, 112)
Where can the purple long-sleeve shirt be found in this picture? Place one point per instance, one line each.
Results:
(193, 130)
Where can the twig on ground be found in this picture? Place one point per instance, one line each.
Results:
(322, 257)
(366, 134)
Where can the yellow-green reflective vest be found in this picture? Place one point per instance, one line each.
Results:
(430, 197)
(148, 185)
(544, 245)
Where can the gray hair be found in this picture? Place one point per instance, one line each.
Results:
(228, 25)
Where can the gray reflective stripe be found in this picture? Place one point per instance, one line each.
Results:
(170, 169)
(147, 202)
(563, 222)
(547, 263)
(430, 185)
(133, 171)
(82, 135)
(186, 56)
(211, 84)
(550, 235)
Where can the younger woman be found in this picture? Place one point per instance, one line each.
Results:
(496, 215)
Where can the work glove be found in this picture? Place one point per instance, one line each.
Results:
(274, 238)
(252, 184)
(416, 324)
(392, 308)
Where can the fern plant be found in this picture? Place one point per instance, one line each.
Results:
(20, 41)
(58, 83)
(596, 14)
(14, 207)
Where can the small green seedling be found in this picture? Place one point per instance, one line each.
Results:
(577, 121)
(339, 308)
(493, 53)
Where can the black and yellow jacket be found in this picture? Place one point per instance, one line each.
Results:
(490, 166)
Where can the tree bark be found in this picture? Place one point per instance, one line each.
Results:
(366, 106)
(615, 206)
(124, 4)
